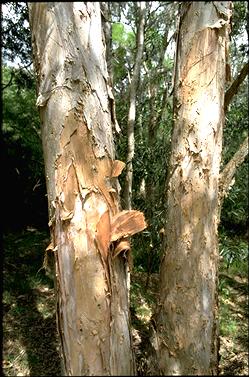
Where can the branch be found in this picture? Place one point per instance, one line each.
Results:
(226, 176)
(235, 86)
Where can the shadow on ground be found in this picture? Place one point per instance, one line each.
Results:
(30, 344)
(30, 341)
(234, 312)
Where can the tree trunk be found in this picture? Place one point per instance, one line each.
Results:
(87, 227)
(233, 89)
(227, 174)
(132, 106)
(107, 28)
(186, 320)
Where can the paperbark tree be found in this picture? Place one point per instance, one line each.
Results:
(186, 320)
(88, 228)
(132, 105)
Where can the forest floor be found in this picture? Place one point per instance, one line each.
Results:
(30, 342)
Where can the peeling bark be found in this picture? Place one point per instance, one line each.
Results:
(186, 320)
(75, 102)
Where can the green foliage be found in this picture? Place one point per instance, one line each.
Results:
(142, 299)
(228, 325)
(118, 33)
(235, 206)
(239, 18)
(121, 37)
(21, 122)
(234, 214)
(236, 123)
(16, 38)
(152, 148)
(168, 63)
(233, 250)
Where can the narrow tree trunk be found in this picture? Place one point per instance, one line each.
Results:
(132, 107)
(107, 27)
(87, 227)
(186, 321)
(233, 89)
(228, 172)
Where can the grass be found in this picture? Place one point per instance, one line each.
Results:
(30, 341)
(233, 293)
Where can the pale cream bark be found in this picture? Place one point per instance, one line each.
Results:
(186, 321)
(88, 229)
